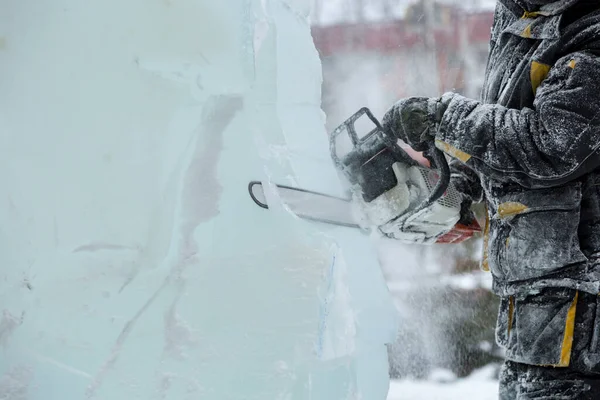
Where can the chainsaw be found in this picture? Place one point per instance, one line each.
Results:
(391, 192)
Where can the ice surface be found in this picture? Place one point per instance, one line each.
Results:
(133, 264)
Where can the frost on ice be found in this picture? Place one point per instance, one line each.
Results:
(132, 262)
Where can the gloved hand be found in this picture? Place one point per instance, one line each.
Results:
(415, 120)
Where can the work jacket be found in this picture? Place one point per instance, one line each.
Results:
(530, 148)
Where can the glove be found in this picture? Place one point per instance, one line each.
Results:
(415, 120)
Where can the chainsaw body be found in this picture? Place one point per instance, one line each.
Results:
(393, 192)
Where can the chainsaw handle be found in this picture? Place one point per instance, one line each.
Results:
(441, 165)
(439, 162)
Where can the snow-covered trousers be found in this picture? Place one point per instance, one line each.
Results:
(552, 342)
(530, 382)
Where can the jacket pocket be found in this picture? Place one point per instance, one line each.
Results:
(536, 232)
(543, 327)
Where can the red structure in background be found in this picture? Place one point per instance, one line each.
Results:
(388, 36)
(453, 31)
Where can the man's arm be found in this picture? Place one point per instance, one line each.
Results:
(557, 141)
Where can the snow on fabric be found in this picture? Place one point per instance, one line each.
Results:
(132, 262)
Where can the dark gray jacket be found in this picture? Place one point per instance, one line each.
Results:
(534, 142)
(531, 149)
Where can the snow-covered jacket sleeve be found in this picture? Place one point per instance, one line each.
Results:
(555, 142)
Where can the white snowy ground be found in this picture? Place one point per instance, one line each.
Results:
(480, 385)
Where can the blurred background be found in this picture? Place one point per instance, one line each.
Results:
(375, 52)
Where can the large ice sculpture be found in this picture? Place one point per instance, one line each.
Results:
(132, 263)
